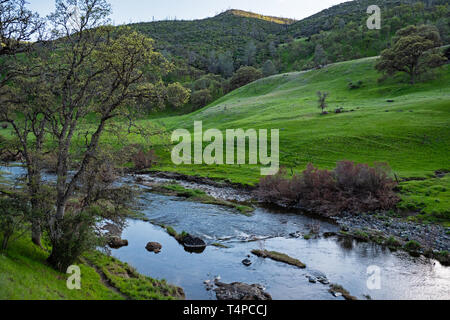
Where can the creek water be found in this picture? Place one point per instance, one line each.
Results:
(343, 262)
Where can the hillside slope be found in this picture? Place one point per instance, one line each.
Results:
(412, 133)
(340, 30)
(230, 31)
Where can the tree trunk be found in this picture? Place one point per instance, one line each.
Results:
(5, 241)
(36, 232)
(36, 207)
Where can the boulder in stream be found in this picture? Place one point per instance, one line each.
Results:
(247, 262)
(117, 243)
(154, 247)
(240, 291)
(193, 244)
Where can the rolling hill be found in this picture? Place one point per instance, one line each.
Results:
(412, 133)
(340, 30)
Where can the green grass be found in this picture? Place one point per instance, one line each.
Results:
(132, 284)
(412, 246)
(24, 275)
(413, 136)
(429, 198)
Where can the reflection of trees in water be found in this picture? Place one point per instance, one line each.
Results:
(346, 243)
(363, 249)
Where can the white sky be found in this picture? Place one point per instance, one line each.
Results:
(126, 11)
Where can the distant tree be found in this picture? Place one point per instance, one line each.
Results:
(447, 54)
(322, 100)
(414, 52)
(201, 98)
(269, 68)
(250, 54)
(320, 56)
(243, 76)
(444, 29)
(213, 63)
(17, 26)
(226, 64)
(272, 49)
(177, 95)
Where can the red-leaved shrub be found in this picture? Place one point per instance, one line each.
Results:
(350, 187)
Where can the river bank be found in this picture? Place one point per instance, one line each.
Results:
(25, 275)
(383, 228)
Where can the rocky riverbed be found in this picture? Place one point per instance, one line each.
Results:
(433, 237)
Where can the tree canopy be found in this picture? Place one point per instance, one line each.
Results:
(413, 52)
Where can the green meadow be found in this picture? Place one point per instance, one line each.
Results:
(411, 134)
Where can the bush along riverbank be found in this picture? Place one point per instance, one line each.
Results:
(25, 275)
(368, 205)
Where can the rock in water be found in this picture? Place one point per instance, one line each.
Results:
(318, 277)
(240, 291)
(117, 243)
(154, 247)
(247, 262)
(193, 244)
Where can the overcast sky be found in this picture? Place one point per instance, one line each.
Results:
(125, 11)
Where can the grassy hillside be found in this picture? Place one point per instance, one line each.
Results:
(412, 133)
(25, 275)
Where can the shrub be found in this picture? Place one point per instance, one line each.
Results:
(322, 101)
(201, 98)
(144, 160)
(244, 76)
(269, 69)
(4, 126)
(14, 212)
(413, 246)
(177, 95)
(355, 85)
(78, 236)
(350, 187)
(392, 242)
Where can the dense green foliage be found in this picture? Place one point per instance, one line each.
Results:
(241, 38)
(415, 51)
(343, 34)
